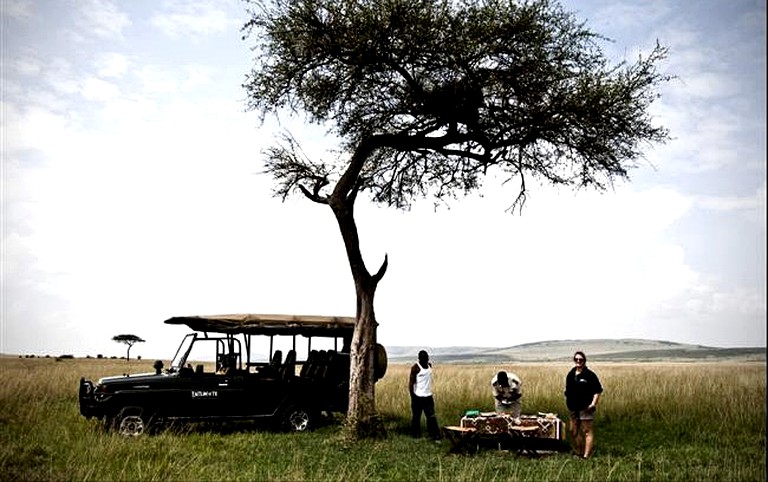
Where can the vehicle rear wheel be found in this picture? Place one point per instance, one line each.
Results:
(297, 419)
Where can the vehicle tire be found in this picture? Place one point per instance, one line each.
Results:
(130, 422)
(379, 362)
(297, 419)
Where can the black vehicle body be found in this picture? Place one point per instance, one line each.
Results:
(288, 391)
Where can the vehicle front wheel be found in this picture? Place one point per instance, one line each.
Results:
(297, 419)
(130, 422)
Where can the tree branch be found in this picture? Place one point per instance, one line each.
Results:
(313, 196)
(382, 270)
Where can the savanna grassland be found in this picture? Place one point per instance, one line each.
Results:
(656, 421)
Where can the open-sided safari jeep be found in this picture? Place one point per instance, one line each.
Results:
(289, 392)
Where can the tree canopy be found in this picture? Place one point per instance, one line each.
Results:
(428, 95)
(129, 340)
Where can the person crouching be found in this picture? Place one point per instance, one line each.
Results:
(507, 393)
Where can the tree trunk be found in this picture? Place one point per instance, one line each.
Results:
(362, 419)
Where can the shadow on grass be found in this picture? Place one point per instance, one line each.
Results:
(228, 427)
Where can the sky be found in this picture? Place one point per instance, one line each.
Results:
(132, 192)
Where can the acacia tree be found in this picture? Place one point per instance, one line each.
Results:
(129, 340)
(428, 97)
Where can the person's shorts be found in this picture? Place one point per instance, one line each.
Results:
(583, 414)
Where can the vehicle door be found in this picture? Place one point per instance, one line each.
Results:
(209, 388)
(260, 394)
(254, 394)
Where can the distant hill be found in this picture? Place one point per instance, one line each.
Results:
(596, 350)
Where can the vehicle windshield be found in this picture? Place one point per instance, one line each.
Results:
(181, 353)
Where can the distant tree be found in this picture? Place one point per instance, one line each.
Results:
(430, 96)
(129, 340)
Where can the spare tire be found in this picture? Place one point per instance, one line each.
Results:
(379, 362)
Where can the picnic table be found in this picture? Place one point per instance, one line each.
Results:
(528, 435)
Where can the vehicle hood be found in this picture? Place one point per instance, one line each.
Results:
(136, 378)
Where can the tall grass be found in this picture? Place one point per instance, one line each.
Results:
(655, 422)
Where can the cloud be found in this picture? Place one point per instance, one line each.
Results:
(61, 77)
(33, 78)
(708, 313)
(192, 19)
(99, 90)
(717, 54)
(18, 9)
(750, 207)
(102, 18)
(112, 64)
(624, 16)
(156, 79)
(37, 128)
(735, 203)
(196, 76)
(27, 66)
(572, 266)
(707, 136)
(132, 190)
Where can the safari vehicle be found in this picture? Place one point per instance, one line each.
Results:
(235, 385)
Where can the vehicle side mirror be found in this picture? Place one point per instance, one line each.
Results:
(158, 366)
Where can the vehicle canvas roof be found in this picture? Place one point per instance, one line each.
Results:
(308, 325)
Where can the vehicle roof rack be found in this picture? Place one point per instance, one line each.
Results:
(255, 324)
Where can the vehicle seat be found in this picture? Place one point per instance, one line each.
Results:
(322, 370)
(340, 366)
(199, 369)
(277, 359)
(308, 366)
(288, 369)
(317, 363)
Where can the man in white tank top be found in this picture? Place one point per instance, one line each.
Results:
(420, 388)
